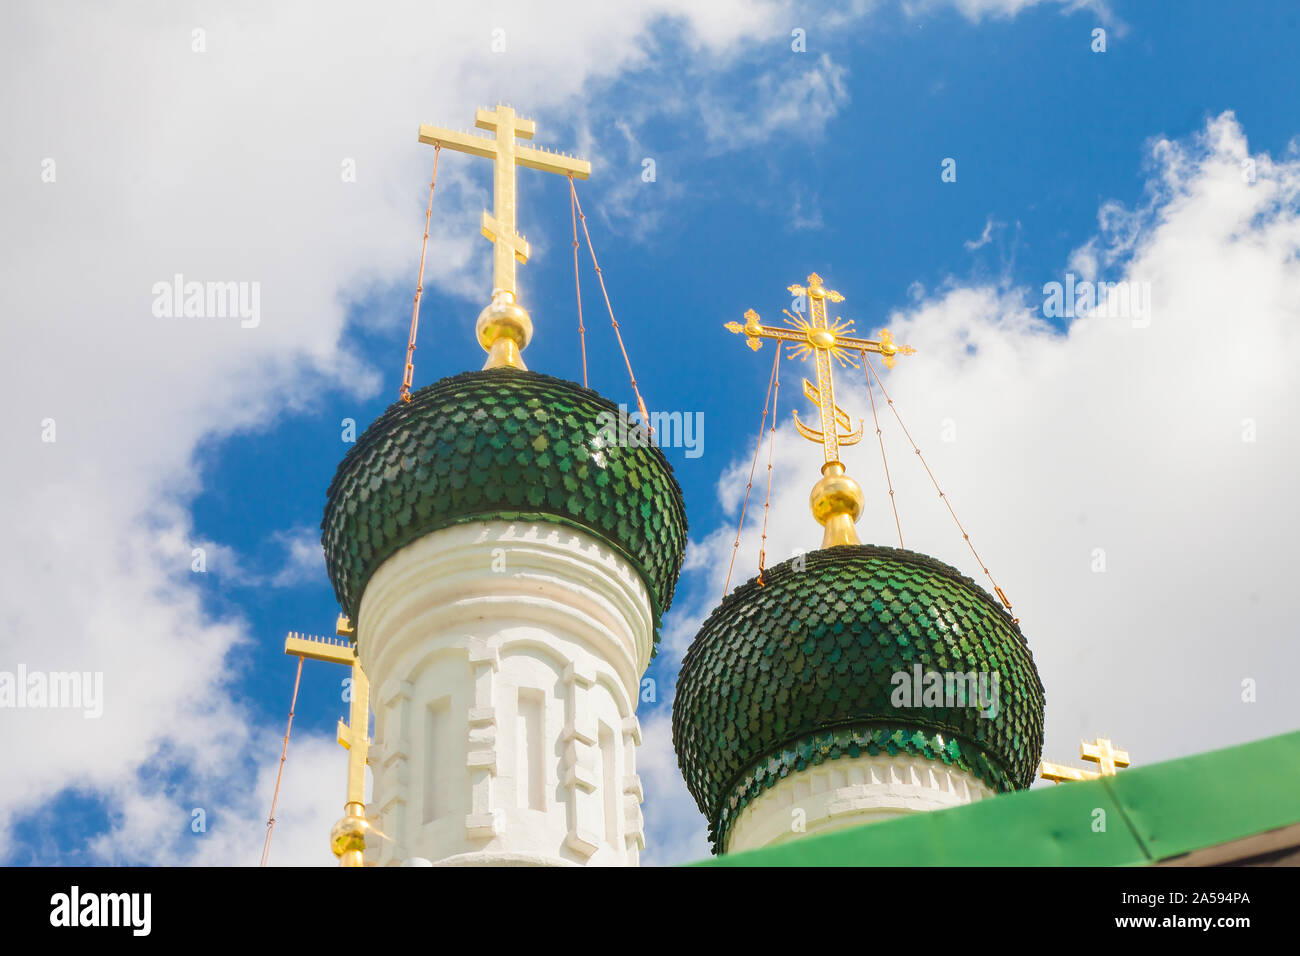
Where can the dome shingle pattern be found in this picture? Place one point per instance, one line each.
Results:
(501, 444)
(801, 669)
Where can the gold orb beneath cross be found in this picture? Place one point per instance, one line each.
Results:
(504, 329)
(837, 503)
(348, 836)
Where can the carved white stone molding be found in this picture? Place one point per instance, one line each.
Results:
(849, 792)
(508, 657)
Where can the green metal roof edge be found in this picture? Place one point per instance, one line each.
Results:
(1152, 813)
(1195, 802)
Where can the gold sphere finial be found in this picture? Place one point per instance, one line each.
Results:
(837, 503)
(504, 329)
(348, 836)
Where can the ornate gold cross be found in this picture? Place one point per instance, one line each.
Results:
(504, 328)
(1101, 752)
(823, 340)
(836, 499)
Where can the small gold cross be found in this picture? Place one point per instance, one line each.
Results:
(1101, 752)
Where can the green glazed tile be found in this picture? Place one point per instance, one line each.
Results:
(483, 444)
(827, 641)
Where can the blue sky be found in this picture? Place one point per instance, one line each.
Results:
(769, 164)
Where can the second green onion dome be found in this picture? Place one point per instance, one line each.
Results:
(505, 444)
(803, 668)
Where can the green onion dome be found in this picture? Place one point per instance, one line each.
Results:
(802, 668)
(502, 444)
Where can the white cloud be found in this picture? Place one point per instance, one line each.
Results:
(985, 237)
(803, 101)
(304, 557)
(977, 10)
(229, 827)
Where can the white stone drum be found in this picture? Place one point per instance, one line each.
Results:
(505, 661)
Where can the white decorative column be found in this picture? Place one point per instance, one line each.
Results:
(633, 822)
(849, 792)
(508, 658)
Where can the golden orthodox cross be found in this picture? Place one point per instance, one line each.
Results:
(1101, 752)
(498, 226)
(824, 340)
(348, 838)
(836, 499)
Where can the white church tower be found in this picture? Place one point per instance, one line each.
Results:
(505, 562)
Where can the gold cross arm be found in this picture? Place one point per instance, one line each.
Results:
(525, 156)
(815, 290)
(810, 335)
(319, 649)
(756, 332)
(884, 345)
(470, 143)
(1058, 772)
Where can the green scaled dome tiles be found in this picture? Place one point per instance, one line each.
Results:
(801, 669)
(501, 444)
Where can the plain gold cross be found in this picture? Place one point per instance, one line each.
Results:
(1101, 752)
(499, 226)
